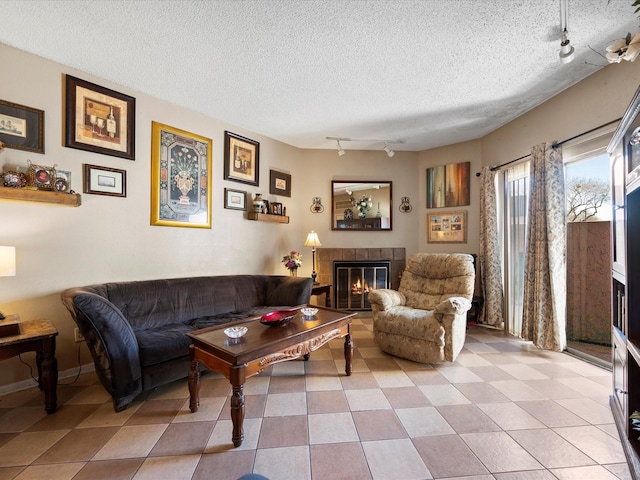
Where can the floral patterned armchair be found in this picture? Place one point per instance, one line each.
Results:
(425, 319)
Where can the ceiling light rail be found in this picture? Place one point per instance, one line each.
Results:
(390, 153)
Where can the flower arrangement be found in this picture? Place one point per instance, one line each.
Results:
(363, 204)
(292, 261)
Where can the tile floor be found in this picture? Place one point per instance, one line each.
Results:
(503, 410)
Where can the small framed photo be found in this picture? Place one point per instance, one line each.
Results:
(21, 127)
(41, 177)
(266, 206)
(235, 199)
(276, 208)
(105, 181)
(279, 183)
(62, 182)
(447, 227)
(99, 120)
(241, 159)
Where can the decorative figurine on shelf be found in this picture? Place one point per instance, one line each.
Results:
(258, 203)
(292, 262)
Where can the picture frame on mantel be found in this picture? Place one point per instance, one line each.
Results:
(447, 227)
(98, 119)
(21, 127)
(180, 178)
(241, 159)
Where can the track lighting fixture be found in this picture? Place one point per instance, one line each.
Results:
(340, 149)
(567, 52)
(390, 153)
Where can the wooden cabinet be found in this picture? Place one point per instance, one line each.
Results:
(624, 154)
(375, 223)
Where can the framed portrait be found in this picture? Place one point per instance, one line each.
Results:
(241, 159)
(266, 207)
(99, 120)
(62, 182)
(41, 177)
(105, 181)
(447, 227)
(180, 178)
(235, 199)
(279, 183)
(448, 185)
(21, 127)
(276, 208)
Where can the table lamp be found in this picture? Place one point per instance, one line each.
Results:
(313, 241)
(7, 264)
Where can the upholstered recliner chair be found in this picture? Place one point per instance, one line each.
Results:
(425, 319)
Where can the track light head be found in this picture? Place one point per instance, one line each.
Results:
(567, 52)
(341, 151)
(390, 153)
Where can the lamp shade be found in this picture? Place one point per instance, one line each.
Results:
(7, 261)
(312, 240)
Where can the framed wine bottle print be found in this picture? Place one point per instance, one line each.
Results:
(99, 120)
(241, 159)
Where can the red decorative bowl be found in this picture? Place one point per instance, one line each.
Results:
(278, 318)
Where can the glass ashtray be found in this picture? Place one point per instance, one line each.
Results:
(235, 332)
(309, 311)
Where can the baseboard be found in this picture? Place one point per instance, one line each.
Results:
(29, 383)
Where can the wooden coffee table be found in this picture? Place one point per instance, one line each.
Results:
(259, 348)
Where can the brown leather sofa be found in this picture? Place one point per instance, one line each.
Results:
(136, 331)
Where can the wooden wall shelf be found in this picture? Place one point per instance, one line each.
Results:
(265, 217)
(70, 199)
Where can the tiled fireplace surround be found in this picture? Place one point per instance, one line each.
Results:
(326, 257)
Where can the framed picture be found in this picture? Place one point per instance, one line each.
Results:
(279, 183)
(180, 178)
(41, 177)
(235, 199)
(21, 127)
(448, 185)
(99, 120)
(266, 208)
(241, 159)
(276, 208)
(105, 181)
(62, 182)
(447, 227)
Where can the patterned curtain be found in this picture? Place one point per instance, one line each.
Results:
(543, 316)
(490, 257)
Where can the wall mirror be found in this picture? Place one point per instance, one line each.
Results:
(360, 205)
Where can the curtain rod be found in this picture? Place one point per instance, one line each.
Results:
(554, 145)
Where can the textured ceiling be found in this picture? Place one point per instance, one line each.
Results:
(429, 73)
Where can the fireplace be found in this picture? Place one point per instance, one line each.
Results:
(353, 280)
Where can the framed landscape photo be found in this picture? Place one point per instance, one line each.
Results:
(180, 178)
(235, 199)
(105, 181)
(21, 127)
(447, 227)
(99, 120)
(241, 159)
(279, 183)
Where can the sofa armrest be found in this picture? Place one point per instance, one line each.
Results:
(288, 291)
(111, 341)
(385, 298)
(453, 306)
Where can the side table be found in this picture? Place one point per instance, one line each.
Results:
(35, 336)
(323, 289)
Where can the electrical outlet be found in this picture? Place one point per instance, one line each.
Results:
(78, 335)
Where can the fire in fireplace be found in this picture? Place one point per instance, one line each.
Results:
(353, 280)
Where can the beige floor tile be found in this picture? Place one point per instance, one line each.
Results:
(510, 416)
(550, 449)
(105, 416)
(26, 447)
(427, 376)
(79, 445)
(595, 472)
(332, 428)
(60, 471)
(523, 372)
(594, 442)
(131, 442)
(527, 475)
(588, 409)
(585, 369)
(445, 394)
(183, 439)
(220, 439)
(90, 394)
(586, 386)
(392, 379)
(280, 404)
(471, 359)
(406, 397)
(284, 463)
(317, 383)
(367, 399)
(209, 409)
(20, 419)
(256, 385)
(395, 459)
(456, 374)
(448, 456)
(174, 390)
(467, 418)
(421, 422)
(479, 347)
(121, 469)
(168, 468)
(554, 389)
(295, 367)
(481, 393)
(551, 413)
(499, 452)
(517, 390)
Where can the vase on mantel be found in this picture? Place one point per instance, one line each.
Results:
(293, 272)
(258, 203)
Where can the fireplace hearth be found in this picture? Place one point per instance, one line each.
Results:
(355, 279)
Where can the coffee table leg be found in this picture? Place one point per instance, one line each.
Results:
(194, 381)
(237, 378)
(348, 353)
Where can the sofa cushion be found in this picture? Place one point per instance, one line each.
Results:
(161, 345)
(411, 323)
